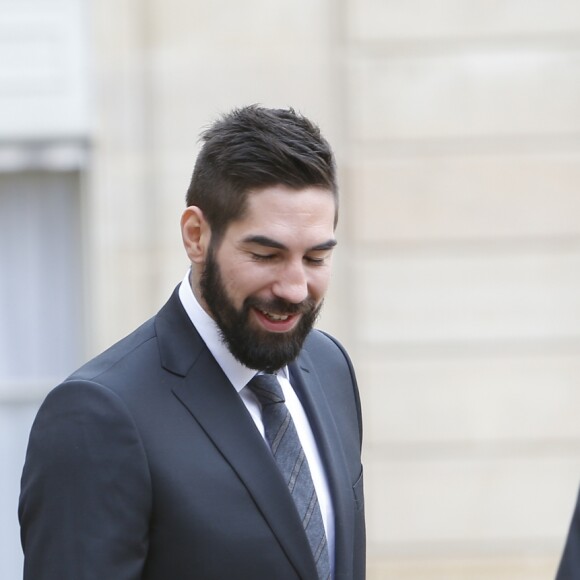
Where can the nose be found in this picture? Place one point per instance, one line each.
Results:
(291, 283)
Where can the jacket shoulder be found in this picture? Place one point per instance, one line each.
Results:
(334, 367)
(321, 344)
(133, 346)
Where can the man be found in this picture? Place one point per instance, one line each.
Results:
(569, 568)
(161, 459)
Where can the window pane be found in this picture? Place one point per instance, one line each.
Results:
(40, 314)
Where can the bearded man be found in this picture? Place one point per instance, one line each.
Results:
(220, 440)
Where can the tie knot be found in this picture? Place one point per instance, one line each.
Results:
(267, 388)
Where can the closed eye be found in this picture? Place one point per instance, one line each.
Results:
(262, 257)
(316, 260)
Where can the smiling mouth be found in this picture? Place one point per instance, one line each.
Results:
(275, 317)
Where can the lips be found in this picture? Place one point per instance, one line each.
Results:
(276, 321)
(275, 317)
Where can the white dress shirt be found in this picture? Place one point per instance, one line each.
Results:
(240, 375)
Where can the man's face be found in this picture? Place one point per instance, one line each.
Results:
(265, 282)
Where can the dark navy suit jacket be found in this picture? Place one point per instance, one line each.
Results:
(569, 568)
(146, 465)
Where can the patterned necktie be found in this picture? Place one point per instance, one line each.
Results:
(283, 439)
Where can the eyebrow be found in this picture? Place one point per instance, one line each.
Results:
(270, 243)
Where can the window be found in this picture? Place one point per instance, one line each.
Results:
(40, 318)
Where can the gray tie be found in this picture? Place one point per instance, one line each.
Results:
(283, 439)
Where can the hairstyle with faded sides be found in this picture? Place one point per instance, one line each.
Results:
(252, 148)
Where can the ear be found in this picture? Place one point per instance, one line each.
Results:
(196, 234)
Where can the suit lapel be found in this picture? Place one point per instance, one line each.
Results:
(214, 404)
(307, 384)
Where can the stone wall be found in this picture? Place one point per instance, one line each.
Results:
(457, 285)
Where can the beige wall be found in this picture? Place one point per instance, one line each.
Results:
(457, 285)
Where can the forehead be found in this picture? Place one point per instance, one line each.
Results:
(310, 204)
(280, 211)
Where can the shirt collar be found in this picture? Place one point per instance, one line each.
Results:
(238, 374)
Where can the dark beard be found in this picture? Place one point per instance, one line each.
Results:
(254, 347)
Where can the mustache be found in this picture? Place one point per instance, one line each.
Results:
(280, 306)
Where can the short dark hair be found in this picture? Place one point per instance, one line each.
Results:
(251, 148)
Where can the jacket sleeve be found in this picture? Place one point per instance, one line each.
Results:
(86, 492)
(569, 567)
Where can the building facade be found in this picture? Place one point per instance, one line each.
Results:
(457, 278)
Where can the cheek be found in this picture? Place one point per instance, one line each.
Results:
(244, 280)
(319, 283)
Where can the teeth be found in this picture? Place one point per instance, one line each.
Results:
(277, 317)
